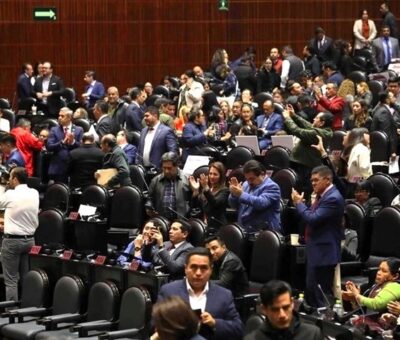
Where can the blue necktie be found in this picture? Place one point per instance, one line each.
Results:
(388, 54)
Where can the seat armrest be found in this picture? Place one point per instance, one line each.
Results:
(84, 328)
(120, 334)
(6, 304)
(351, 268)
(29, 311)
(51, 321)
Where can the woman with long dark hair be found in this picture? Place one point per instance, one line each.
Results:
(359, 117)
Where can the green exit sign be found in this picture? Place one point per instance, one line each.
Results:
(223, 5)
(45, 13)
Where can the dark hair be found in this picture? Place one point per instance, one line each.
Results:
(174, 319)
(329, 64)
(253, 166)
(384, 27)
(153, 111)
(201, 251)
(271, 290)
(214, 238)
(102, 105)
(109, 140)
(25, 66)
(185, 226)
(319, 30)
(134, 92)
(161, 101)
(8, 139)
(170, 157)
(323, 171)
(363, 186)
(221, 170)
(383, 96)
(88, 137)
(190, 73)
(362, 12)
(287, 49)
(394, 80)
(193, 113)
(327, 118)
(91, 73)
(20, 174)
(393, 264)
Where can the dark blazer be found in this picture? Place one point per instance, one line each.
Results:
(325, 228)
(54, 102)
(325, 53)
(390, 20)
(133, 117)
(219, 304)
(24, 87)
(103, 126)
(383, 121)
(130, 152)
(163, 141)
(173, 264)
(193, 137)
(60, 157)
(83, 163)
(98, 92)
(117, 159)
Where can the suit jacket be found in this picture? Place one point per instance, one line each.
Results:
(24, 87)
(359, 38)
(325, 230)
(134, 116)
(390, 20)
(383, 121)
(324, 53)
(117, 159)
(60, 156)
(98, 92)
(193, 137)
(83, 163)
(164, 141)
(54, 102)
(275, 124)
(219, 304)
(130, 152)
(378, 51)
(103, 126)
(173, 264)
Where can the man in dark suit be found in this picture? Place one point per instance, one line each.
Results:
(94, 90)
(24, 84)
(171, 255)
(323, 234)
(129, 149)
(84, 162)
(383, 121)
(116, 109)
(384, 49)
(218, 316)
(268, 124)
(155, 140)
(62, 139)
(136, 109)
(228, 269)
(102, 126)
(322, 45)
(48, 91)
(388, 19)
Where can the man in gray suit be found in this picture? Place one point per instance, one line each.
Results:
(384, 49)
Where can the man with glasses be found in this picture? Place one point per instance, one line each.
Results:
(323, 234)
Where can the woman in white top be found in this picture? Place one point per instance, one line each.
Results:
(357, 153)
(364, 31)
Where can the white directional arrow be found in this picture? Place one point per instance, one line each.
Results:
(45, 14)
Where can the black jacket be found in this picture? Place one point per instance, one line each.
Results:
(117, 159)
(296, 331)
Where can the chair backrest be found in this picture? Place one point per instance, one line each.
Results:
(287, 179)
(261, 97)
(83, 123)
(385, 236)
(211, 151)
(152, 99)
(379, 142)
(127, 208)
(355, 215)
(357, 76)
(203, 169)
(266, 257)
(35, 289)
(69, 295)
(10, 116)
(135, 308)
(134, 137)
(383, 187)
(49, 123)
(69, 94)
(254, 322)
(57, 196)
(96, 196)
(161, 90)
(336, 142)
(234, 238)
(138, 176)
(238, 173)
(330, 330)
(4, 103)
(277, 157)
(197, 233)
(103, 301)
(209, 100)
(26, 104)
(51, 230)
(238, 156)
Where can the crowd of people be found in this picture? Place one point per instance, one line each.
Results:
(308, 97)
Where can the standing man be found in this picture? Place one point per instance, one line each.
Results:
(62, 139)
(268, 124)
(94, 90)
(388, 19)
(48, 90)
(219, 319)
(24, 84)
(281, 321)
(323, 234)
(155, 140)
(322, 45)
(136, 109)
(102, 126)
(292, 66)
(384, 49)
(116, 109)
(257, 200)
(276, 60)
(20, 222)
(228, 270)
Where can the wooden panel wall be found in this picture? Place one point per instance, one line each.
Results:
(133, 41)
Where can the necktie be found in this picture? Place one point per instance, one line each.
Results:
(65, 131)
(388, 54)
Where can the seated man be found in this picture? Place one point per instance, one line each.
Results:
(129, 149)
(281, 321)
(268, 124)
(257, 200)
(228, 270)
(12, 157)
(219, 318)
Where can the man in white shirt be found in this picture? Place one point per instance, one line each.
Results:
(20, 222)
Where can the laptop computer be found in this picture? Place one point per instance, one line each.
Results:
(249, 141)
(286, 141)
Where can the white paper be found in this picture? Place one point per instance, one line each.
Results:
(394, 166)
(193, 162)
(86, 210)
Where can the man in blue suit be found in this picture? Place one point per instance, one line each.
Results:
(155, 140)
(62, 139)
(268, 124)
(323, 234)
(24, 84)
(94, 90)
(218, 316)
(135, 111)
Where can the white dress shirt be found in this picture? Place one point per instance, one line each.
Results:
(148, 141)
(197, 301)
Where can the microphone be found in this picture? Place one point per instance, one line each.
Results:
(178, 214)
(327, 303)
(329, 314)
(217, 220)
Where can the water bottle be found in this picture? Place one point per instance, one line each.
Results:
(338, 308)
(299, 302)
